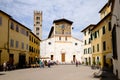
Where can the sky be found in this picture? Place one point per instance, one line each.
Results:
(81, 12)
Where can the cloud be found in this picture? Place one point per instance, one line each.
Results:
(81, 12)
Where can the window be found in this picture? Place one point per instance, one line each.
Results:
(93, 49)
(12, 26)
(103, 30)
(11, 43)
(30, 48)
(49, 43)
(27, 33)
(85, 51)
(76, 44)
(85, 42)
(98, 33)
(23, 31)
(0, 20)
(37, 18)
(104, 46)
(26, 46)
(59, 38)
(95, 34)
(66, 38)
(89, 40)
(97, 47)
(30, 37)
(37, 34)
(85, 33)
(22, 45)
(37, 29)
(89, 50)
(62, 31)
(91, 37)
(109, 26)
(34, 41)
(17, 44)
(17, 28)
(37, 22)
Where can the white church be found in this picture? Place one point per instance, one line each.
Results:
(60, 46)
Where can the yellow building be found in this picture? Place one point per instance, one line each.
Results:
(87, 56)
(101, 38)
(34, 48)
(14, 41)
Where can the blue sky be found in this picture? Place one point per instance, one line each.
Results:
(81, 12)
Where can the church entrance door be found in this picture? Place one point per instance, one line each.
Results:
(63, 57)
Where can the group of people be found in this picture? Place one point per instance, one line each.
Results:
(44, 63)
(76, 63)
(7, 66)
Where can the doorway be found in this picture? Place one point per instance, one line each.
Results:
(74, 58)
(63, 57)
(52, 57)
(22, 60)
(11, 59)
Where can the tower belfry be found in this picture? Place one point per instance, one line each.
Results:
(38, 24)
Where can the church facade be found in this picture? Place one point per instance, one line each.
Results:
(60, 46)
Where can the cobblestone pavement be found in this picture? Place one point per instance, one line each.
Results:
(57, 72)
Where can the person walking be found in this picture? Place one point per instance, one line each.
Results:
(76, 63)
(4, 66)
(49, 63)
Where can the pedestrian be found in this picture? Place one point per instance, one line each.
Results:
(40, 63)
(76, 63)
(49, 63)
(4, 66)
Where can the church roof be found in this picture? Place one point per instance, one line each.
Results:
(63, 19)
(52, 29)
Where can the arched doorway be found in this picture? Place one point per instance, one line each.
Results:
(74, 58)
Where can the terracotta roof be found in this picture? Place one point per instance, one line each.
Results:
(101, 20)
(103, 7)
(88, 27)
(63, 19)
(5, 13)
(14, 19)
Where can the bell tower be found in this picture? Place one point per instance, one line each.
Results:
(38, 24)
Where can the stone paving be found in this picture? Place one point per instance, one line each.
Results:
(57, 72)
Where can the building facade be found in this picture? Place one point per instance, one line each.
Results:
(101, 39)
(87, 45)
(34, 49)
(38, 24)
(60, 45)
(14, 42)
(115, 36)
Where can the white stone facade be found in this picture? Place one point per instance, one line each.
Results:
(71, 48)
(60, 45)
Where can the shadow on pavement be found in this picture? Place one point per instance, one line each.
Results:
(2, 74)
